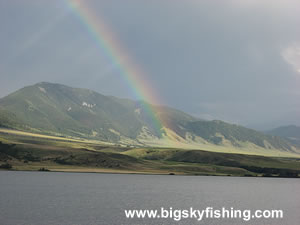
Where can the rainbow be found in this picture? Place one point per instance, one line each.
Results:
(116, 52)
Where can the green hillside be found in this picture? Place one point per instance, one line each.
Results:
(21, 152)
(235, 134)
(290, 132)
(60, 110)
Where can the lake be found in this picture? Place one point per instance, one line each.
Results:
(89, 199)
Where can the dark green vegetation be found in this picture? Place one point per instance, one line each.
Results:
(40, 154)
(64, 111)
(290, 132)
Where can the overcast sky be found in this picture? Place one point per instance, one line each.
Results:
(235, 60)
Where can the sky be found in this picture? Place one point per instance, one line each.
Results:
(233, 60)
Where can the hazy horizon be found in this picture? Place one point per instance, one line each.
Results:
(234, 61)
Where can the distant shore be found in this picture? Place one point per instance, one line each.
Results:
(109, 171)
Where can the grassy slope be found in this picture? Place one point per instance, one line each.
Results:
(48, 112)
(292, 133)
(26, 152)
(60, 110)
(235, 134)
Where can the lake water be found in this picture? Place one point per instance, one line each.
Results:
(85, 198)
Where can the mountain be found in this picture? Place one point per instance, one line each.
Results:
(65, 111)
(290, 132)
(62, 110)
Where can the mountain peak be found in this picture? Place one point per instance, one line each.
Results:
(45, 83)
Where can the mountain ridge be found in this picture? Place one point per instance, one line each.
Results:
(291, 132)
(58, 109)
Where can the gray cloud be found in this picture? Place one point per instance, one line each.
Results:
(291, 54)
(232, 60)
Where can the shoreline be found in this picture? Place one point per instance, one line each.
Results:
(145, 173)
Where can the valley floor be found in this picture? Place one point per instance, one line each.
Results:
(25, 151)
